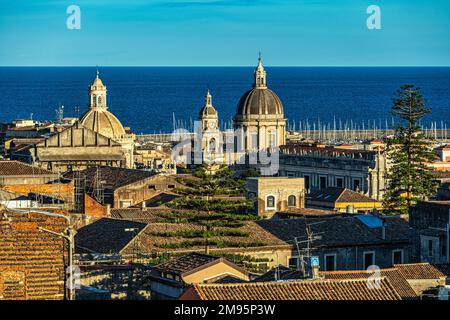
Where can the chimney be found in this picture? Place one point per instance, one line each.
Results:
(108, 209)
(383, 231)
(315, 272)
(143, 205)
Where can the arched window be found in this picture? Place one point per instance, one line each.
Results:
(99, 100)
(292, 201)
(270, 202)
(212, 145)
(94, 100)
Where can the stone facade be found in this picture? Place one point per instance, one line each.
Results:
(430, 228)
(78, 148)
(275, 194)
(321, 167)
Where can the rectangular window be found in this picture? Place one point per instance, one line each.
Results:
(152, 187)
(306, 182)
(254, 141)
(330, 262)
(369, 259)
(339, 182)
(356, 184)
(125, 203)
(293, 263)
(397, 256)
(430, 248)
(323, 182)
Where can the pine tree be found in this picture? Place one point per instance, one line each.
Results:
(410, 177)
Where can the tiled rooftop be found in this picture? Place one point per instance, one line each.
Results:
(16, 168)
(113, 177)
(337, 231)
(107, 235)
(395, 277)
(354, 289)
(419, 271)
(186, 263)
(338, 195)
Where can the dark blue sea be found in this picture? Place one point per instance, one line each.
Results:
(144, 98)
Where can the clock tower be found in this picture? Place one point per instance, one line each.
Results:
(211, 135)
(208, 115)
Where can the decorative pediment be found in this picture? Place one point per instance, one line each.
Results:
(77, 136)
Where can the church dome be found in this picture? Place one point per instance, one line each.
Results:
(98, 118)
(260, 102)
(103, 122)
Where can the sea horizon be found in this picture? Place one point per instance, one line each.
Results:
(145, 98)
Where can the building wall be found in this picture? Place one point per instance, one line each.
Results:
(123, 282)
(429, 222)
(274, 255)
(77, 148)
(280, 188)
(420, 285)
(93, 208)
(143, 190)
(24, 180)
(64, 191)
(31, 262)
(214, 271)
(347, 257)
(370, 172)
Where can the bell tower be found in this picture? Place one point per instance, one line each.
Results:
(260, 75)
(208, 115)
(97, 94)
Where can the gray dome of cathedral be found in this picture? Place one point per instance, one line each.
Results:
(260, 101)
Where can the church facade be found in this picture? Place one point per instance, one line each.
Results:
(98, 138)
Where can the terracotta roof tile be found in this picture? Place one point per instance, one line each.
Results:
(337, 231)
(108, 235)
(186, 263)
(419, 271)
(333, 194)
(395, 277)
(113, 177)
(354, 289)
(17, 168)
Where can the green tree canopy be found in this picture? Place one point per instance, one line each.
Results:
(410, 176)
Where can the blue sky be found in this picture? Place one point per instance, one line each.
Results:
(225, 33)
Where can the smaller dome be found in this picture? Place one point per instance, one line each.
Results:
(208, 110)
(103, 122)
